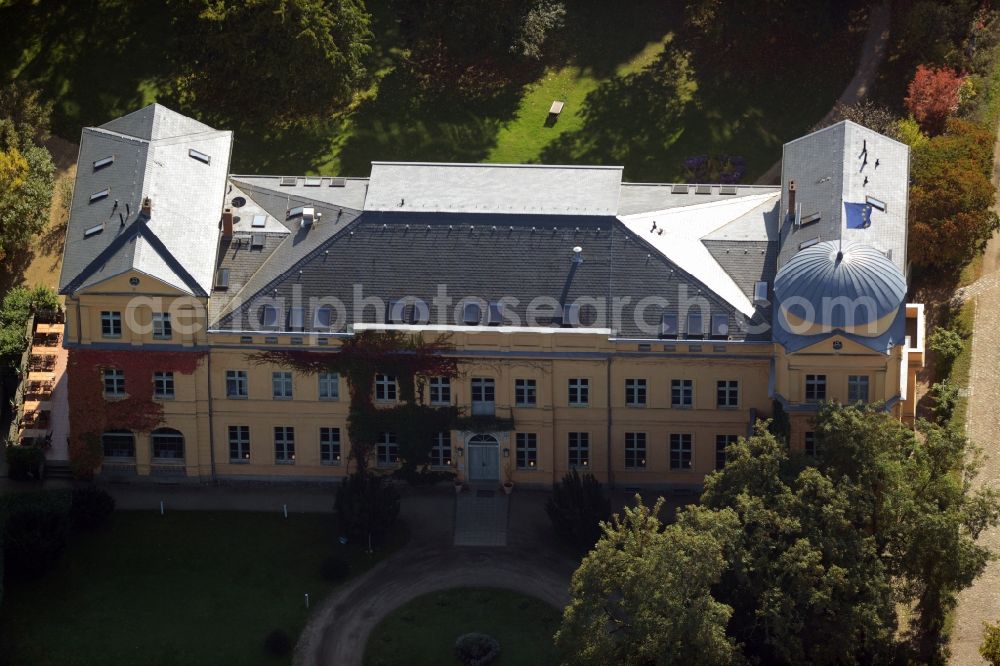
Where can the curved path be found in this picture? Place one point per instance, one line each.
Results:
(872, 52)
(338, 631)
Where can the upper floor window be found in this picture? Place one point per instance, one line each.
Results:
(815, 388)
(329, 386)
(525, 392)
(579, 391)
(111, 324)
(635, 392)
(440, 391)
(483, 396)
(281, 385)
(385, 387)
(857, 388)
(727, 393)
(163, 384)
(236, 383)
(681, 393)
(114, 382)
(162, 329)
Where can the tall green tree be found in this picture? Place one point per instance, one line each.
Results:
(271, 60)
(642, 596)
(26, 169)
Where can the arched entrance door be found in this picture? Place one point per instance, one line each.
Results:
(484, 458)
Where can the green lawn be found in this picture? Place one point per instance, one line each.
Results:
(639, 92)
(184, 588)
(423, 632)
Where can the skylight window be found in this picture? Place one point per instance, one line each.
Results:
(809, 243)
(103, 162)
(93, 231)
(727, 189)
(295, 212)
(760, 292)
(200, 156)
(288, 181)
(222, 279)
(313, 182)
(258, 221)
(875, 203)
(338, 182)
(809, 219)
(103, 194)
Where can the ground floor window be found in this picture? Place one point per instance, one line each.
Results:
(680, 451)
(526, 454)
(721, 442)
(239, 443)
(118, 444)
(284, 445)
(329, 446)
(386, 450)
(811, 447)
(579, 449)
(167, 444)
(441, 452)
(635, 450)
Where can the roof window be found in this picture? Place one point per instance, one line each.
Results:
(103, 162)
(760, 293)
(103, 194)
(720, 326)
(288, 181)
(256, 241)
(200, 156)
(668, 326)
(222, 279)
(259, 221)
(877, 204)
(269, 316)
(472, 314)
(93, 231)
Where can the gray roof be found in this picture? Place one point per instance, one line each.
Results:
(836, 166)
(524, 189)
(637, 198)
(152, 157)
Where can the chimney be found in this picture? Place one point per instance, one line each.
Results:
(227, 223)
(791, 198)
(147, 207)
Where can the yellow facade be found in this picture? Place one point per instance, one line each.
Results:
(763, 374)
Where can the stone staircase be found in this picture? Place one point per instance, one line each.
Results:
(58, 469)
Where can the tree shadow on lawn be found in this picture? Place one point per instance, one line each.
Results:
(685, 104)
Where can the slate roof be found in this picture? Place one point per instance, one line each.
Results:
(151, 157)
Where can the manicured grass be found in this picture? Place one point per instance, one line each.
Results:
(423, 632)
(184, 588)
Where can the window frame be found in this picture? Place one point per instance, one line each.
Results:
(727, 393)
(854, 385)
(387, 449)
(117, 378)
(725, 441)
(636, 450)
(385, 388)
(578, 392)
(282, 385)
(330, 445)
(164, 379)
(525, 392)
(239, 442)
(636, 392)
(439, 390)
(682, 393)
(681, 449)
(526, 450)
(111, 324)
(163, 328)
(441, 455)
(815, 387)
(159, 435)
(328, 386)
(284, 445)
(578, 450)
(239, 380)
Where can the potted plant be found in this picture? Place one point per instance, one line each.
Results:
(458, 486)
(508, 485)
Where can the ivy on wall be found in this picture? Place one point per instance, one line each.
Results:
(91, 414)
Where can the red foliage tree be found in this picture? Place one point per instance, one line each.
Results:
(933, 96)
(91, 414)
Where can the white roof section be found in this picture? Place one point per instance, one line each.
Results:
(683, 230)
(493, 188)
(843, 164)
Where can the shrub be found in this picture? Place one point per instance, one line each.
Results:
(576, 509)
(367, 505)
(990, 649)
(945, 395)
(947, 345)
(91, 507)
(277, 643)
(24, 462)
(477, 649)
(34, 538)
(336, 568)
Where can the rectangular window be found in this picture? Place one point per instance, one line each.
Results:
(281, 385)
(525, 392)
(329, 386)
(239, 443)
(387, 451)
(114, 382)
(162, 330)
(680, 451)
(236, 383)
(329, 446)
(441, 451)
(695, 326)
(809, 444)
(721, 442)
(440, 391)
(284, 445)
(857, 388)
(635, 392)
(527, 450)
(815, 388)
(385, 388)
(727, 393)
(111, 324)
(163, 385)
(579, 392)
(681, 393)
(483, 396)
(579, 449)
(635, 450)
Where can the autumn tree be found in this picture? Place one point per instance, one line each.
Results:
(273, 60)
(932, 97)
(26, 169)
(643, 595)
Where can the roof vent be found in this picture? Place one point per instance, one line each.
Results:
(288, 181)
(703, 189)
(309, 215)
(338, 182)
(727, 189)
(577, 255)
(679, 189)
(93, 231)
(147, 207)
